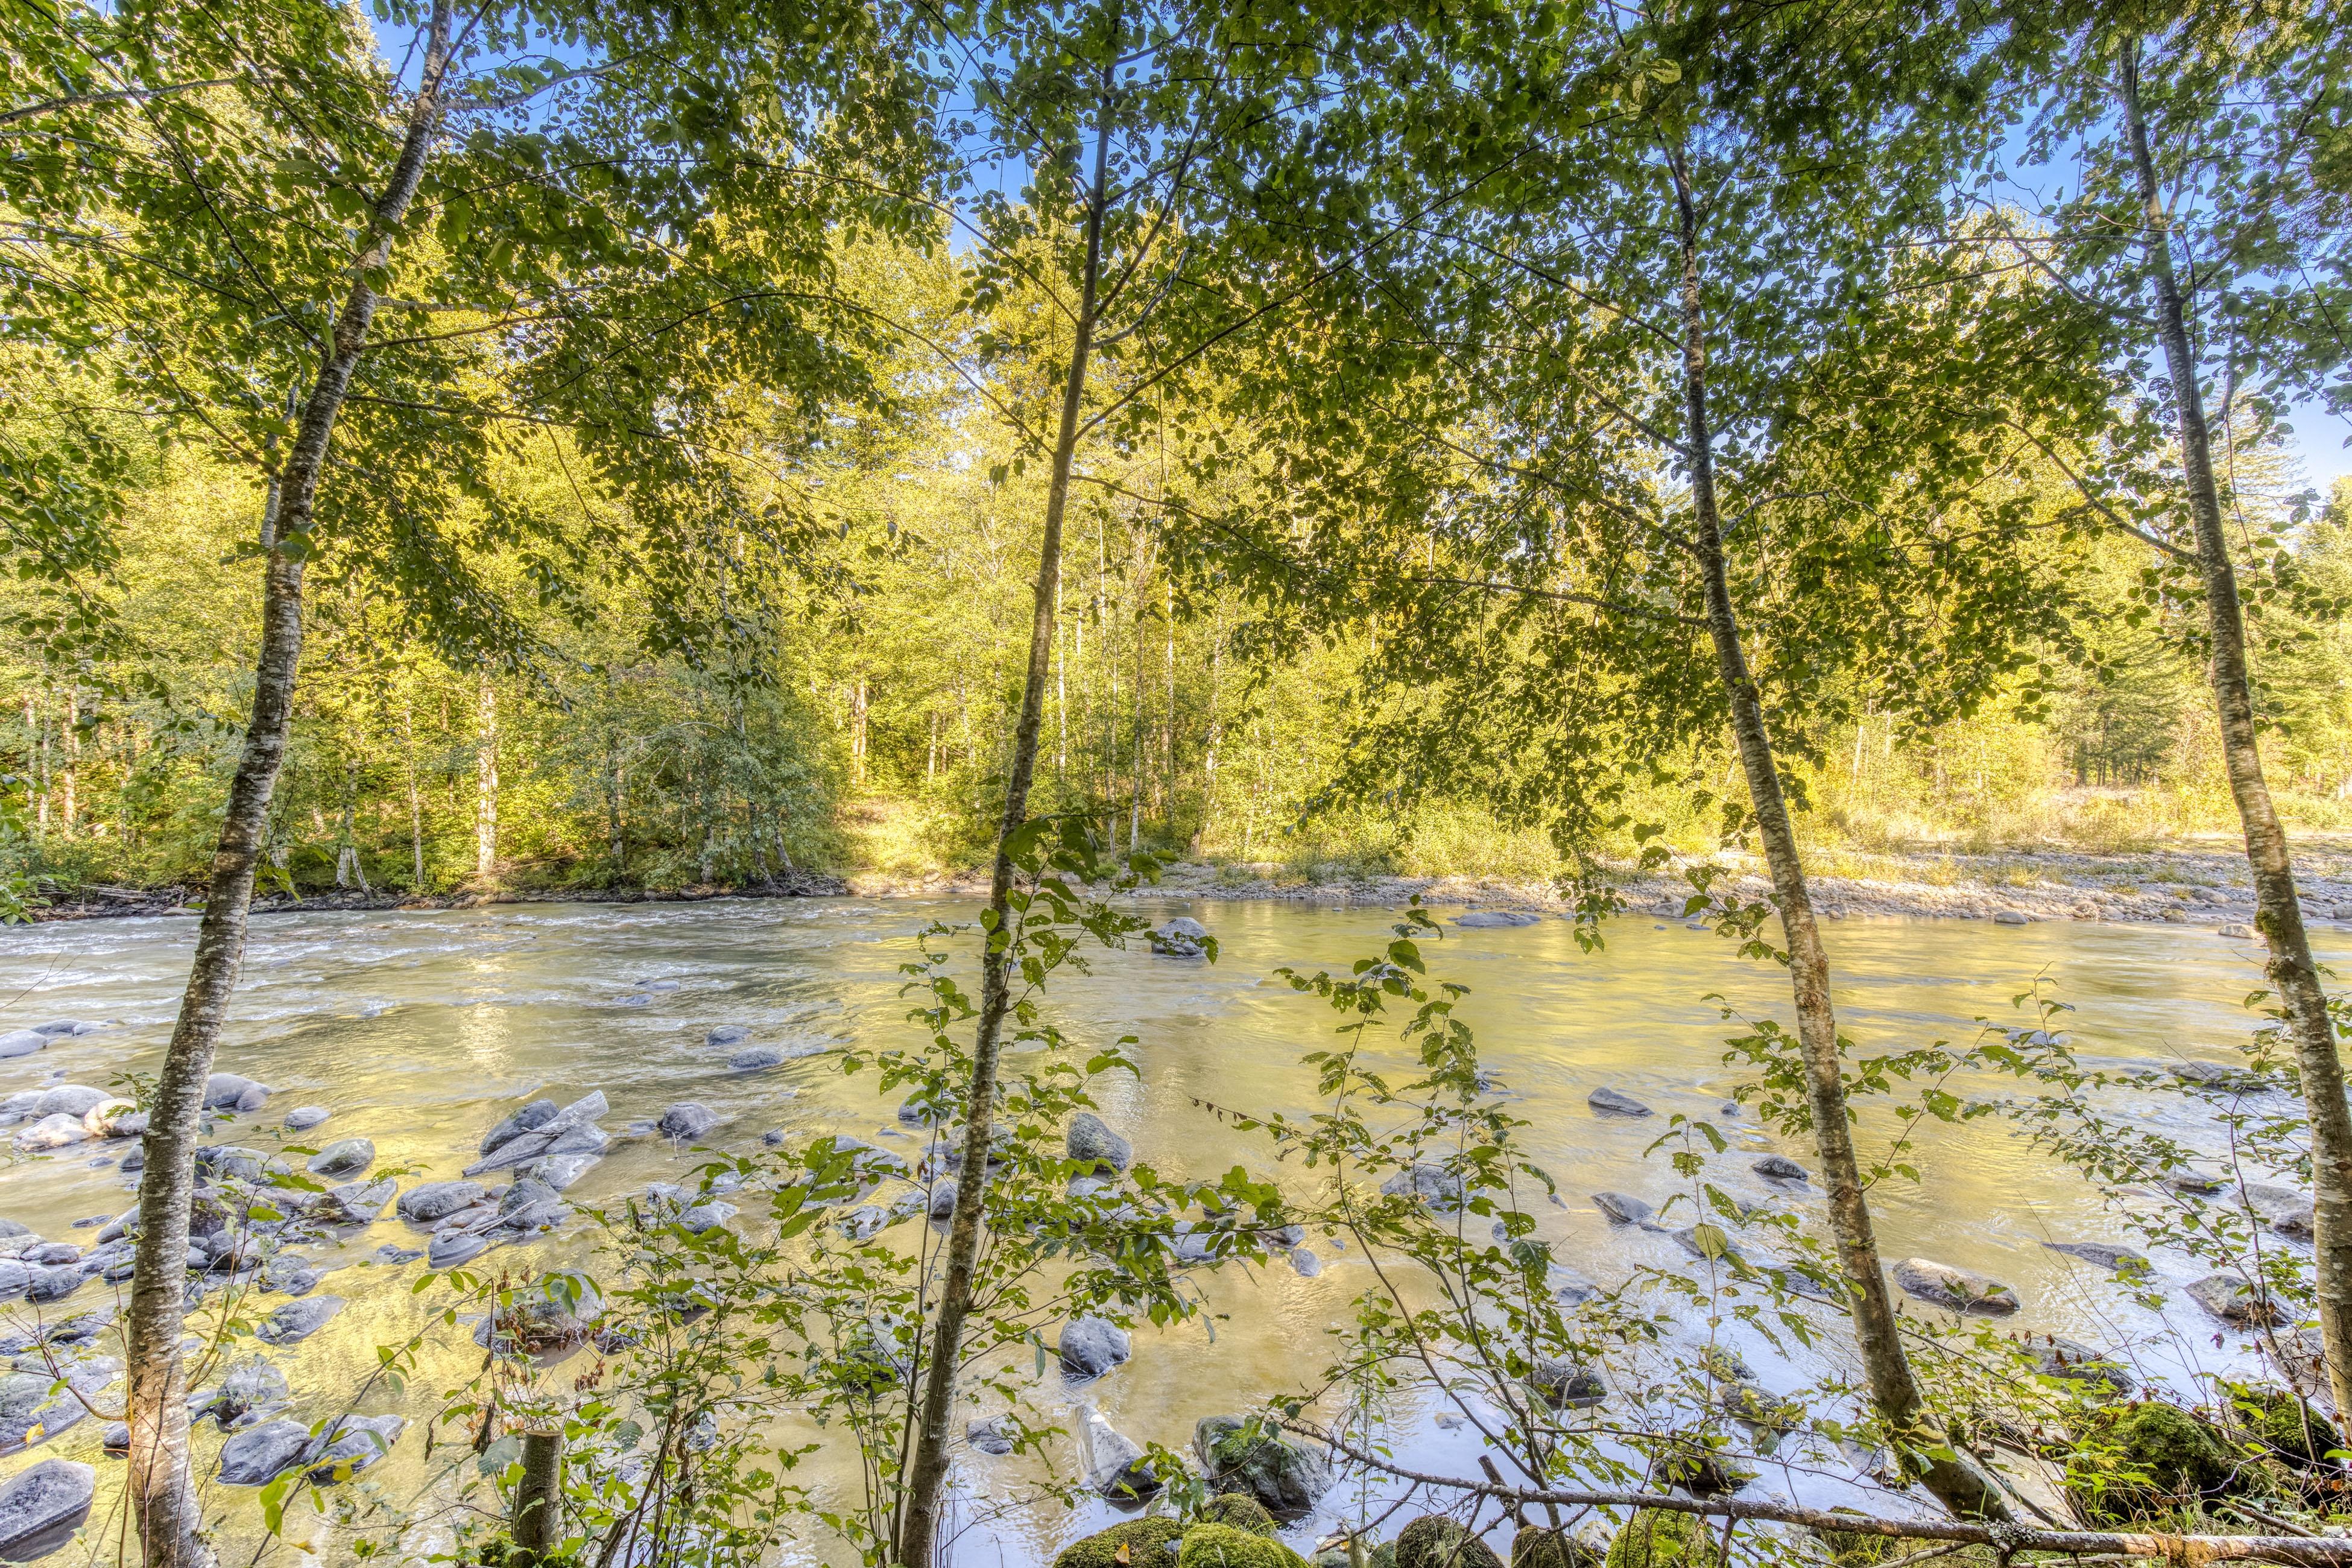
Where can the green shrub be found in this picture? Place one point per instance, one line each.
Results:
(1537, 1547)
(2134, 1460)
(2284, 1423)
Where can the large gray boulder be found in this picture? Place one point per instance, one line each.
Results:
(259, 1455)
(1613, 1102)
(1956, 1290)
(33, 1409)
(2105, 1254)
(1092, 1346)
(1092, 1143)
(229, 1091)
(1182, 936)
(686, 1122)
(530, 1119)
(41, 1507)
(2234, 1299)
(54, 1131)
(73, 1098)
(297, 1319)
(356, 1202)
(344, 1157)
(571, 1130)
(1623, 1208)
(1286, 1477)
(2283, 1209)
(437, 1201)
(22, 1043)
(1115, 1465)
(350, 1445)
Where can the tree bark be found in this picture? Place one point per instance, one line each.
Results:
(486, 780)
(538, 1498)
(415, 806)
(1924, 1452)
(918, 1523)
(162, 1494)
(2278, 906)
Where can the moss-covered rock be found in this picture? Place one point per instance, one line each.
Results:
(1537, 1547)
(1655, 1538)
(1222, 1546)
(2134, 1460)
(1242, 1511)
(1286, 1477)
(1147, 1541)
(1380, 1556)
(2286, 1426)
(1434, 1541)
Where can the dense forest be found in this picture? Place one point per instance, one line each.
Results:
(657, 445)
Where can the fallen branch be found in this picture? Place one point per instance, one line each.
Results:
(2005, 1539)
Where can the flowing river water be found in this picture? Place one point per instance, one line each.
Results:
(419, 1030)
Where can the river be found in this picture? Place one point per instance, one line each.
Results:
(420, 1030)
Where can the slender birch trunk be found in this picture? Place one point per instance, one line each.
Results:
(160, 1488)
(416, 805)
(917, 1540)
(1928, 1454)
(486, 780)
(2278, 906)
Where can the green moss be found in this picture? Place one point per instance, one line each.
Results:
(1655, 1538)
(1146, 1541)
(1434, 1541)
(2134, 1460)
(1536, 1547)
(1242, 1511)
(1222, 1546)
(2285, 1424)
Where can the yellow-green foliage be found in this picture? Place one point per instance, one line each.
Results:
(1655, 1538)
(1146, 1541)
(1222, 1546)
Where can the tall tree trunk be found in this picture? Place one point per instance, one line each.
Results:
(1958, 1483)
(918, 1521)
(416, 805)
(486, 780)
(1216, 731)
(70, 781)
(857, 733)
(162, 1494)
(2278, 906)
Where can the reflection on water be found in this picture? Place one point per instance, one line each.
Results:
(419, 1030)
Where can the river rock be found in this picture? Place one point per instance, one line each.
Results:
(1611, 1103)
(1182, 936)
(2230, 1298)
(437, 1201)
(229, 1162)
(1115, 1465)
(250, 1385)
(686, 1120)
(2214, 1075)
(987, 1436)
(1435, 1541)
(356, 1202)
(73, 1098)
(560, 1171)
(350, 1445)
(2011, 917)
(54, 1131)
(726, 1035)
(115, 1117)
(290, 1274)
(1304, 1263)
(1565, 1386)
(1433, 1185)
(1094, 1147)
(31, 1414)
(2195, 1183)
(229, 1091)
(757, 1059)
(1781, 1168)
(302, 1117)
(941, 1202)
(297, 1321)
(259, 1455)
(2283, 1209)
(344, 1157)
(42, 1506)
(1623, 1208)
(1494, 920)
(2105, 1254)
(2080, 1364)
(571, 1130)
(530, 1119)
(1092, 1346)
(1955, 1288)
(1286, 1477)
(22, 1043)
(53, 1282)
(55, 1027)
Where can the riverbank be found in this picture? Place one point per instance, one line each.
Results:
(2196, 885)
